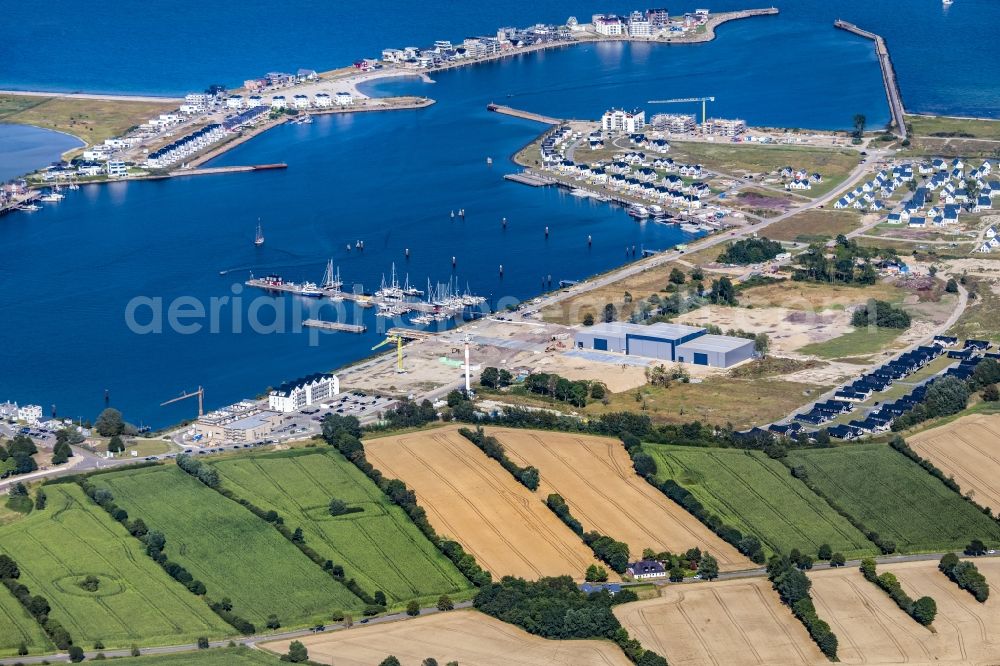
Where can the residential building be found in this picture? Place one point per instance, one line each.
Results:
(725, 127)
(675, 123)
(303, 392)
(617, 120)
(609, 26)
(343, 98)
(30, 414)
(116, 169)
(644, 569)
(639, 25)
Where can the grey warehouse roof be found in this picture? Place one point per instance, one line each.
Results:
(716, 343)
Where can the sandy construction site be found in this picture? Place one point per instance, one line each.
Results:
(473, 500)
(738, 621)
(967, 449)
(873, 630)
(787, 328)
(465, 636)
(595, 477)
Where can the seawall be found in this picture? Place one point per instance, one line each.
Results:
(888, 74)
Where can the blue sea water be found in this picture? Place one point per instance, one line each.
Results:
(390, 179)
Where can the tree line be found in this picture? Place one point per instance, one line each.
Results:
(555, 608)
(38, 607)
(923, 610)
(526, 476)
(792, 586)
(343, 433)
(966, 576)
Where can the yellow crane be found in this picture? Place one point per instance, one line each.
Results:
(184, 396)
(389, 339)
(682, 100)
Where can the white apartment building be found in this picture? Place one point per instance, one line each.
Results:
(344, 98)
(300, 101)
(617, 120)
(639, 25)
(303, 392)
(116, 169)
(30, 414)
(609, 26)
(323, 100)
(234, 102)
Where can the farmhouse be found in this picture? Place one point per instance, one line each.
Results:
(646, 569)
(667, 342)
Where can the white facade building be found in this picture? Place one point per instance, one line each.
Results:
(344, 98)
(609, 26)
(30, 414)
(617, 120)
(292, 396)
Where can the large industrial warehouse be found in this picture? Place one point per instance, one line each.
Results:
(667, 342)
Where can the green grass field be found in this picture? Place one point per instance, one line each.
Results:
(379, 546)
(856, 343)
(136, 601)
(235, 554)
(243, 656)
(759, 496)
(17, 626)
(893, 496)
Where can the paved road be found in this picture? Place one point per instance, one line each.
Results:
(250, 641)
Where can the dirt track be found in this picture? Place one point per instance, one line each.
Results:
(473, 500)
(737, 621)
(969, 450)
(873, 630)
(465, 636)
(595, 477)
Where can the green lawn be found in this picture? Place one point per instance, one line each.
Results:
(136, 601)
(231, 656)
(17, 626)
(379, 547)
(235, 554)
(895, 497)
(859, 342)
(759, 496)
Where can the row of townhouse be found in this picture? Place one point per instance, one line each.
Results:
(870, 195)
(65, 171)
(950, 184)
(320, 100)
(186, 146)
(656, 145)
(643, 182)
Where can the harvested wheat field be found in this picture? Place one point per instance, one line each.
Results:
(737, 621)
(465, 636)
(969, 450)
(595, 477)
(473, 500)
(873, 630)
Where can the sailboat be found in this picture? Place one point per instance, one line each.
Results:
(259, 238)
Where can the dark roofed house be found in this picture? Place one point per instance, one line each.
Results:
(646, 569)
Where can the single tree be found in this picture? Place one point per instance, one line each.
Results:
(337, 507)
(588, 319)
(413, 608)
(610, 313)
(824, 552)
(202, 642)
(390, 661)
(924, 610)
(297, 536)
(116, 444)
(297, 652)
(991, 394)
(761, 344)
(379, 598)
(273, 622)
(708, 568)
(859, 125)
(445, 603)
(40, 499)
(109, 423)
(677, 276)
(76, 654)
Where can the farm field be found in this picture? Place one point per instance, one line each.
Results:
(595, 477)
(759, 496)
(967, 449)
(235, 554)
(379, 546)
(136, 602)
(17, 626)
(473, 500)
(739, 621)
(241, 655)
(895, 497)
(873, 630)
(465, 636)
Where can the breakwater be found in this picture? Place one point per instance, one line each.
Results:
(527, 115)
(888, 74)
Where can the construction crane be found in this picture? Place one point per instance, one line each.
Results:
(687, 100)
(389, 339)
(184, 396)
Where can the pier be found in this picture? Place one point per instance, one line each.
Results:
(410, 333)
(888, 74)
(208, 171)
(529, 178)
(334, 326)
(527, 115)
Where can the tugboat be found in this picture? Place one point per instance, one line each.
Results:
(259, 237)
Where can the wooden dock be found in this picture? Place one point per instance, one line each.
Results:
(334, 326)
(527, 115)
(888, 74)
